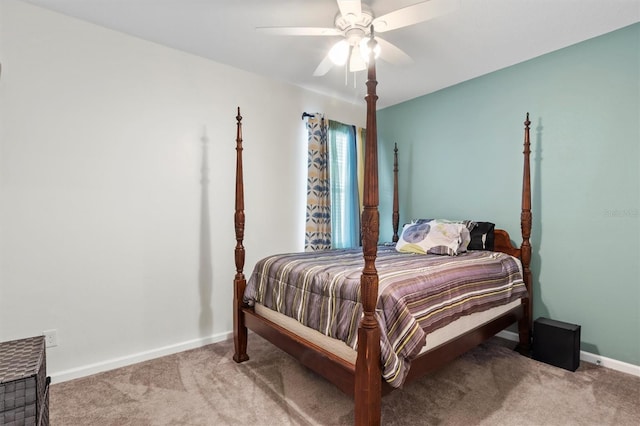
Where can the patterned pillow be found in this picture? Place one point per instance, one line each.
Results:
(434, 236)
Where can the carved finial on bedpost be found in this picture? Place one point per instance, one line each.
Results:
(525, 223)
(239, 282)
(368, 374)
(396, 204)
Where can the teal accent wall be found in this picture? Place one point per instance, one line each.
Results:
(460, 157)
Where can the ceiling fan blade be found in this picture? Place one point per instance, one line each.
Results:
(299, 31)
(414, 14)
(323, 67)
(393, 54)
(348, 7)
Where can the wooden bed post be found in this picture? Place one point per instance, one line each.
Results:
(396, 205)
(525, 324)
(368, 370)
(239, 282)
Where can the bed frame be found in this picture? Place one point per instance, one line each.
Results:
(363, 381)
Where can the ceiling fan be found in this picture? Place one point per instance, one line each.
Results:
(353, 23)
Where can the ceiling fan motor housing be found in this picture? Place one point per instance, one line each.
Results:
(354, 27)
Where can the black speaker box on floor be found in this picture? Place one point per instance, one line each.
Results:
(556, 343)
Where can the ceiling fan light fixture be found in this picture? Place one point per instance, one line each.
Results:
(339, 53)
(356, 61)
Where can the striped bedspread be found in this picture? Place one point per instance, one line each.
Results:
(417, 294)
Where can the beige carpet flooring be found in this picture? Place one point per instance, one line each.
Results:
(491, 385)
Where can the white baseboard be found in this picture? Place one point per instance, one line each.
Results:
(613, 364)
(87, 370)
(99, 367)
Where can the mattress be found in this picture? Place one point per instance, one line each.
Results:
(342, 350)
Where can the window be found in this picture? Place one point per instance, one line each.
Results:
(334, 184)
(343, 178)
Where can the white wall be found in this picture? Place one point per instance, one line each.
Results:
(106, 233)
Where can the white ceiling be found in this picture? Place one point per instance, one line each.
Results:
(480, 37)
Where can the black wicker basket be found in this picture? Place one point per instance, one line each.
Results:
(24, 385)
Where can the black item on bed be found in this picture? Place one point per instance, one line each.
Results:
(482, 236)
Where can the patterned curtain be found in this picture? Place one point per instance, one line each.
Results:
(318, 221)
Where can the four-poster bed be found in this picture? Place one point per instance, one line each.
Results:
(359, 373)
